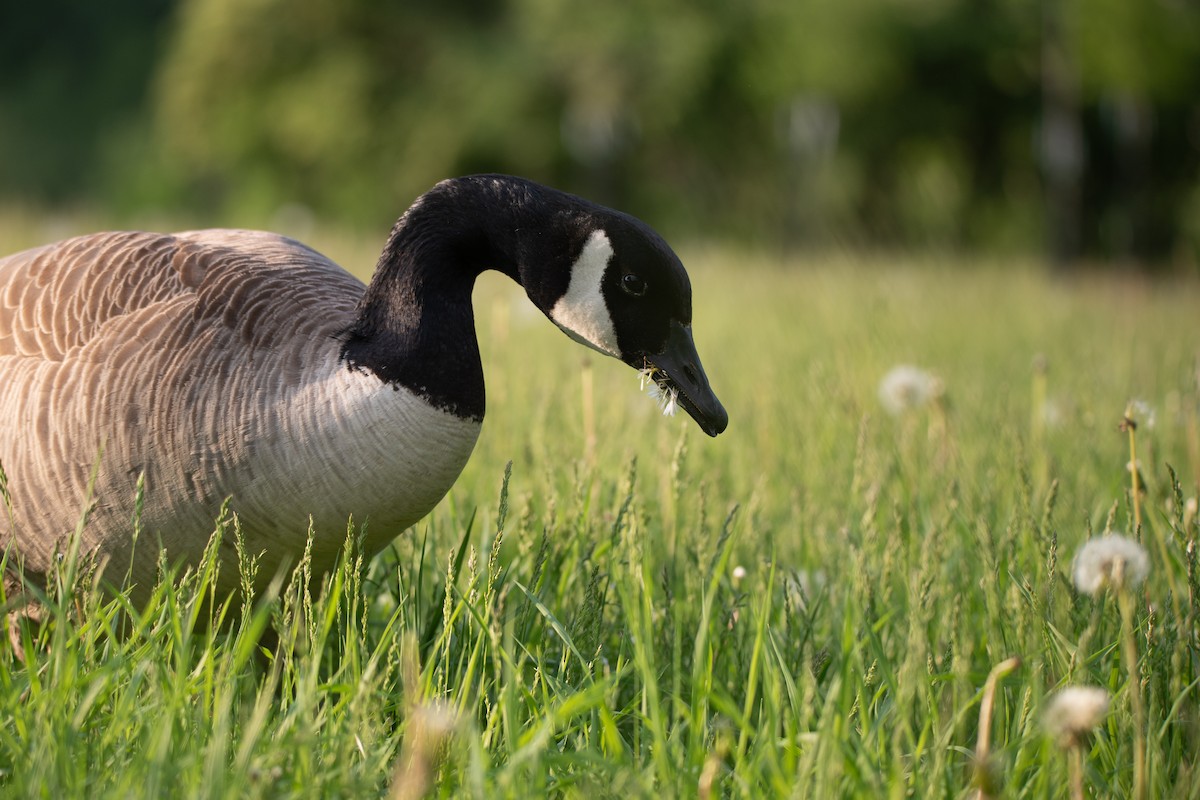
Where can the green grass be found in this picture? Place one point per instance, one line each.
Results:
(577, 629)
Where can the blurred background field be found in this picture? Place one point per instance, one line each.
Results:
(1063, 129)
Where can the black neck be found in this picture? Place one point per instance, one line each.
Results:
(415, 326)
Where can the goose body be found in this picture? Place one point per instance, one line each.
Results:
(243, 367)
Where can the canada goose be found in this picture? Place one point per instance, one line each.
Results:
(226, 364)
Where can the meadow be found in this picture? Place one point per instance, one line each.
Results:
(611, 604)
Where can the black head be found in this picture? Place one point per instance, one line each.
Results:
(626, 294)
(604, 277)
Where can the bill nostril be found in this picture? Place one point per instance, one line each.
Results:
(690, 373)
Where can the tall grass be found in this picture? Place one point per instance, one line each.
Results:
(573, 624)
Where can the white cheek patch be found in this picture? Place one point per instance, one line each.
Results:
(582, 312)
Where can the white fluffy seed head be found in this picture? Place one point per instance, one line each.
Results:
(1075, 711)
(653, 382)
(905, 387)
(1141, 413)
(1110, 561)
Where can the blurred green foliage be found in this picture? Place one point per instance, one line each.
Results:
(998, 124)
(74, 80)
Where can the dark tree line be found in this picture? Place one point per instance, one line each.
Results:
(1011, 125)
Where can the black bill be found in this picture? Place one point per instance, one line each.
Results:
(684, 374)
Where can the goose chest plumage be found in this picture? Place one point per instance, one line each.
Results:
(241, 367)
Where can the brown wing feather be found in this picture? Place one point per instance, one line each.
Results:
(59, 297)
(107, 338)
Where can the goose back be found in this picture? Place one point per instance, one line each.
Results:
(181, 360)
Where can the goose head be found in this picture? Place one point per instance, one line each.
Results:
(602, 276)
(625, 293)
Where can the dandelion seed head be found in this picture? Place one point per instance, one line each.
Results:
(429, 725)
(435, 719)
(1075, 711)
(905, 387)
(1141, 413)
(669, 401)
(1052, 413)
(1095, 566)
(646, 376)
(739, 574)
(653, 381)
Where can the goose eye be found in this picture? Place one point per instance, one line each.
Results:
(633, 285)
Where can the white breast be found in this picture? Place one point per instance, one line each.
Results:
(344, 443)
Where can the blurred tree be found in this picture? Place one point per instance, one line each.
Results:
(1139, 73)
(354, 106)
(973, 123)
(908, 120)
(73, 84)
